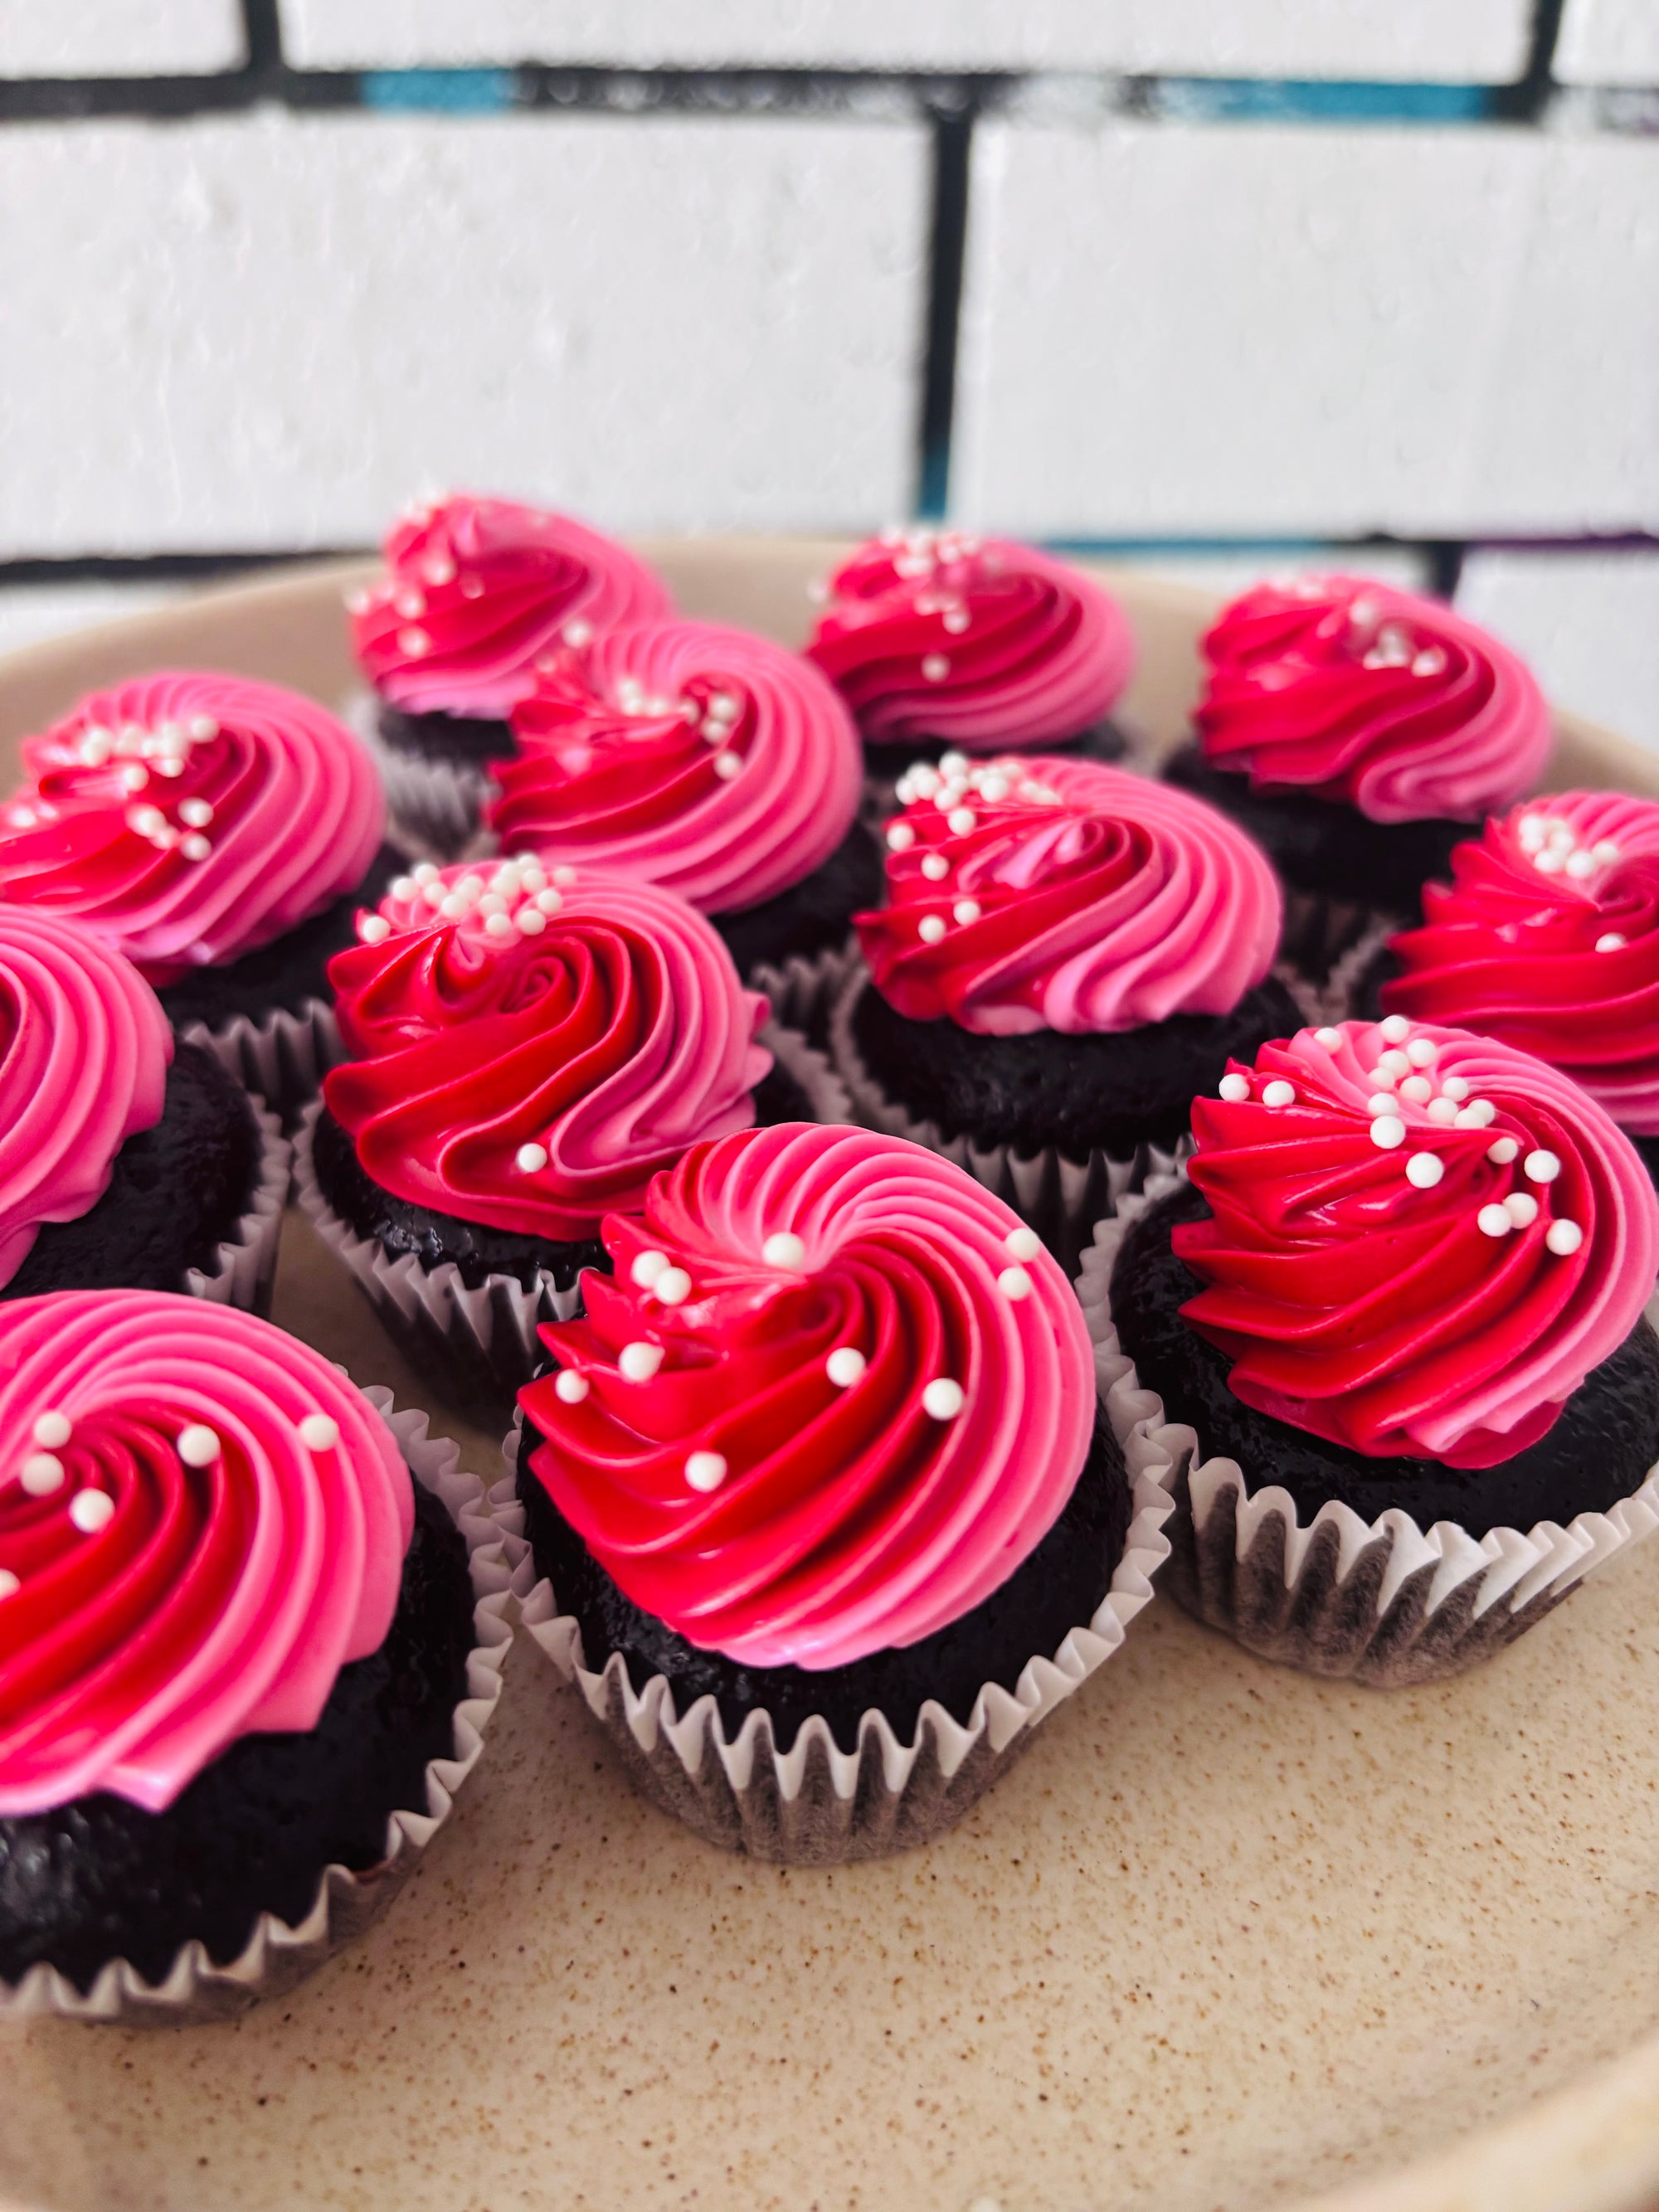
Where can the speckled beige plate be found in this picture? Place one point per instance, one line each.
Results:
(1226, 1937)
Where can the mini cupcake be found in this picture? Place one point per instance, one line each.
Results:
(1548, 937)
(123, 1162)
(820, 1504)
(707, 760)
(1358, 733)
(220, 834)
(475, 593)
(946, 642)
(524, 1055)
(1069, 952)
(239, 1655)
(1396, 1313)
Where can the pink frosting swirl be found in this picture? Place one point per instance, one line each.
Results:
(476, 591)
(188, 817)
(528, 1050)
(1422, 1241)
(201, 1522)
(1044, 892)
(84, 1051)
(872, 1393)
(707, 760)
(980, 641)
(1354, 690)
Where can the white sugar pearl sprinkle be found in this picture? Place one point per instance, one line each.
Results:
(1424, 1171)
(531, 1158)
(935, 666)
(1479, 1113)
(1015, 1283)
(1422, 1052)
(1387, 1131)
(1395, 1027)
(1564, 1237)
(845, 1365)
(10, 1584)
(1381, 1102)
(1502, 1150)
(374, 929)
(673, 1286)
(42, 1474)
(726, 765)
(935, 867)
(783, 1249)
(1580, 865)
(706, 1470)
(1442, 1111)
(1541, 1166)
(1279, 1093)
(931, 928)
(1522, 1207)
(647, 1265)
(1455, 1089)
(960, 821)
(954, 763)
(1604, 851)
(52, 1430)
(532, 921)
(1493, 1221)
(404, 887)
(549, 901)
(569, 1387)
(1235, 1089)
(1610, 941)
(198, 1445)
(638, 1363)
(425, 872)
(1330, 1038)
(1381, 1076)
(1394, 1064)
(900, 837)
(498, 925)
(320, 1433)
(1417, 1089)
(942, 1400)
(1023, 1243)
(91, 1510)
(966, 910)
(564, 875)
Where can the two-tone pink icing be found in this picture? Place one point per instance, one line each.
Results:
(477, 590)
(979, 640)
(188, 817)
(705, 759)
(84, 1051)
(1422, 1241)
(832, 1395)
(1354, 690)
(201, 1522)
(529, 1046)
(1046, 892)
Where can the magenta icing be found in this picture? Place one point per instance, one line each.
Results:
(84, 1050)
(140, 1635)
(188, 817)
(1047, 892)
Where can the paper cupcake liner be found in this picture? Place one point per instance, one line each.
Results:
(479, 1346)
(803, 992)
(1385, 1603)
(1320, 932)
(280, 1057)
(434, 807)
(244, 1265)
(1342, 984)
(278, 1955)
(1060, 1197)
(815, 1804)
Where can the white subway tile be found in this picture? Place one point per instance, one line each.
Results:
(1609, 42)
(1237, 329)
(1477, 40)
(119, 38)
(31, 613)
(1588, 621)
(268, 333)
(1227, 573)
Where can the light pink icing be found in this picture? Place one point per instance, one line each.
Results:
(477, 590)
(984, 642)
(847, 1516)
(1348, 688)
(188, 817)
(705, 759)
(1073, 897)
(213, 1601)
(84, 1051)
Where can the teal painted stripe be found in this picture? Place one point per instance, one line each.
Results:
(440, 91)
(1248, 99)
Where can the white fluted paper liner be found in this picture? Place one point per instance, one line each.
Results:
(280, 1057)
(1060, 1197)
(817, 1804)
(1386, 1603)
(1342, 984)
(244, 1265)
(479, 1346)
(435, 806)
(803, 990)
(276, 1955)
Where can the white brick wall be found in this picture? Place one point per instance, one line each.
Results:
(119, 38)
(1609, 42)
(267, 332)
(1229, 330)
(1588, 621)
(1477, 40)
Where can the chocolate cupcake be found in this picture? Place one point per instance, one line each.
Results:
(1069, 952)
(1358, 733)
(241, 1668)
(123, 1162)
(942, 642)
(820, 1505)
(475, 593)
(1395, 1319)
(1548, 937)
(525, 1053)
(220, 834)
(709, 760)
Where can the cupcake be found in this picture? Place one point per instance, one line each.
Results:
(820, 1504)
(1395, 1316)
(524, 1054)
(707, 760)
(124, 1162)
(218, 833)
(238, 1648)
(943, 642)
(1548, 937)
(1067, 954)
(1358, 733)
(475, 593)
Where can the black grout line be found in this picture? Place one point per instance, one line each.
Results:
(1525, 102)
(946, 249)
(1445, 559)
(164, 567)
(262, 25)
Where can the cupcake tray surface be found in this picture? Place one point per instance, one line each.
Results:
(1225, 1937)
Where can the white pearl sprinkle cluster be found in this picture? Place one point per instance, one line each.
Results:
(921, 557)
(1553, 846)
(1395, 646)
(953, 786)
(149, 759)
(512, 902)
